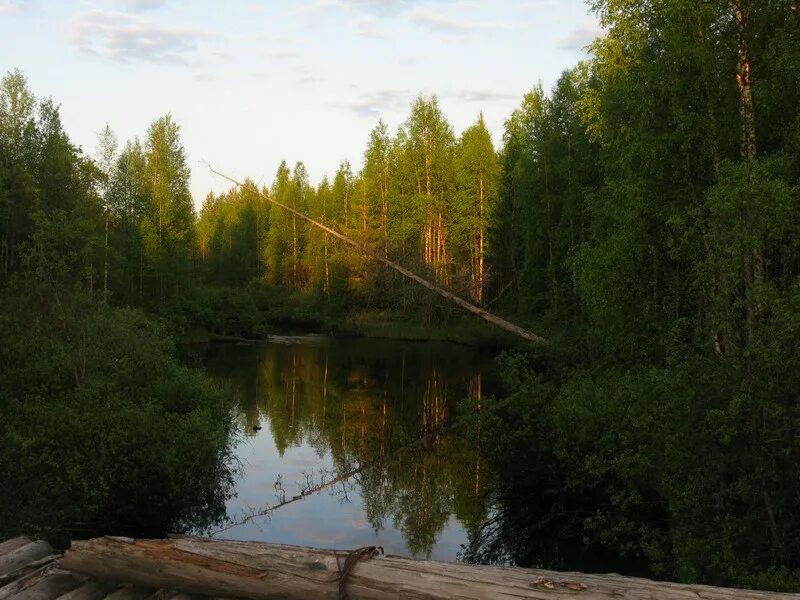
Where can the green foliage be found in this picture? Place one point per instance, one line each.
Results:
(683, 472)
(671, 447)
(420, 199)
(103, 431)
(549, 169)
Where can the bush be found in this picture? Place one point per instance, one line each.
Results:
(103, 432)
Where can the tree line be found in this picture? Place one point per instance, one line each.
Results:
(92, 395)
(651, 205)
(422, 198)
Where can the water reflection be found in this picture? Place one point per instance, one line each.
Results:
(354, 446)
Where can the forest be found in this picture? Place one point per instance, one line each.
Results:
(643, 215)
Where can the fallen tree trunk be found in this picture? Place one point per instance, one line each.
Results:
(482, 313)
(269, 571)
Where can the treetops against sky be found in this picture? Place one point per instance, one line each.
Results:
(251, 83)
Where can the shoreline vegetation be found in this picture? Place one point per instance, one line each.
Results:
(373, 325)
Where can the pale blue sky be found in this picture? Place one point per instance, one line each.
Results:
(254, 82)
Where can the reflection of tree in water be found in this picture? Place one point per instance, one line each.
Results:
(364, 406)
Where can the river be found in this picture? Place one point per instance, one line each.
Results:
(347, 442)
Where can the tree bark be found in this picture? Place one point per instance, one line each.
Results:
(269, 571)
(481, 250)
(105, 265)
(385, 210)
(754, 257)
(742, 12)
(20, 556)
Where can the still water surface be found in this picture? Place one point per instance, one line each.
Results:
(351, 449)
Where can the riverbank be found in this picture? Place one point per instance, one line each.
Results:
(466, 330)
(463, 330)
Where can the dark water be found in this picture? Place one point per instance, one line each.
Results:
(354, 446)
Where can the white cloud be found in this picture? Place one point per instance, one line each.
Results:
(376, 103)
(445, 24)
(481, 95)
(580, 37)
(283, 55)
(376, 8)
(534, 4)
(382, 8)
(9, 7)
(369, 27)
(323, 5)
(379, 102)
(130, 38)
(308, 80)
(140, 5)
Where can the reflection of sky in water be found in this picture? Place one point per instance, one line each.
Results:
(378, 396)
(323, 519)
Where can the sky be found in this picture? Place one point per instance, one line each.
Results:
(252, 83)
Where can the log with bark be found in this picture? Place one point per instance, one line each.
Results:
(263, 571)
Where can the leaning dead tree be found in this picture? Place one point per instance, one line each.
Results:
(469, 307)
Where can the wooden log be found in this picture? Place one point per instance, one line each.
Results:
(28, 568)
(20, 587)
(130, 592)
(54, 584)
(91, 590)
(13, 544)
(15, 587)
(22, 555)
(269, 571)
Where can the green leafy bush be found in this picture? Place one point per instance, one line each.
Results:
(102, 430)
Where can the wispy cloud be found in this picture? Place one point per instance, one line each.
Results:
(446, 24)
(283, 55)
(378, 8)
(130, 38)
(580, 37)
(322, 6)
(308, 80)
(369, 27)
(378, 102)
(375, 8)
(9, 7)
(140, 5)
(535, 4)
(481, 95)
(382, 8)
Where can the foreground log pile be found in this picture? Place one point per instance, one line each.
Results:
(31, 570)
(179, 568)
